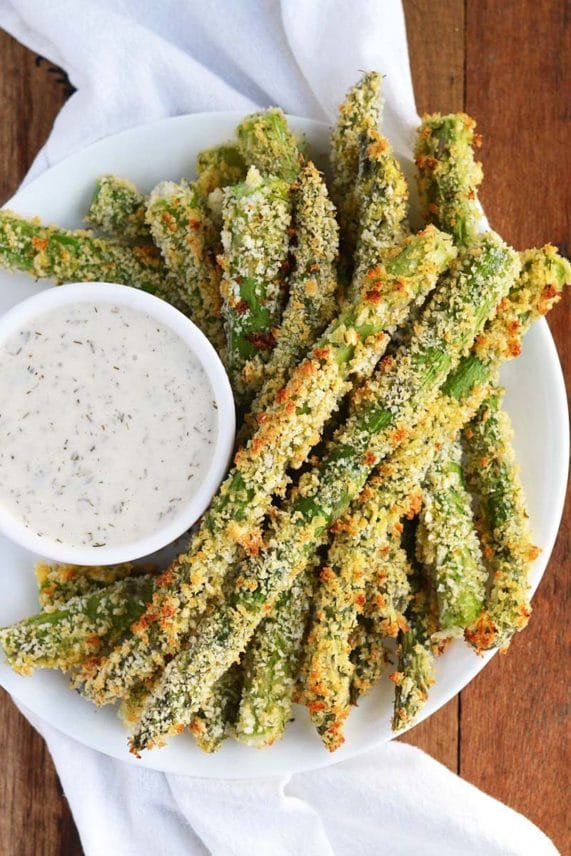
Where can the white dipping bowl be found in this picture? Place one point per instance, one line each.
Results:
(24, 313)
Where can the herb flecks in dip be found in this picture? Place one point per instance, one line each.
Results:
(107, 425)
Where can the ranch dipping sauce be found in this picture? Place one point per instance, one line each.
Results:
(107, 424)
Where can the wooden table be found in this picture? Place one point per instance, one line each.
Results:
(502, 62)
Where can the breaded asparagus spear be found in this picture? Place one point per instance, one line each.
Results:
(47, 252)
(59, 583)
(340, 599)
(66, 637)
(266, 142)
(211, 724)
(492, 473)
(385, 410)
(359, 113)
(215, 719)
(447, 543)
(218, 167)
(415, 652)
(383, 194)
(118, 209)
(449, 175)
(386, 599)
(311, 301)
(292, 425)
(133, 702)
(270, 665)
(181, 228)
(257, 216)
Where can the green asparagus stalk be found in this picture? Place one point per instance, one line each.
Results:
(291, 427)
(266, 142)
(492, 474)
(118, 210)
(384, 412)
(383, 194)
(59, 583)
(449, 175)
(211, 724)
(386, 599)
(311, 302)
(216, 718)
(447, 543)
(270, 665)
(219, 167)
(415, 653)
(66, 637)
(368, 658)
(257, 218)
(47, 252)
(181, 228)
(133, 702)
(339, 601)
(359, 114)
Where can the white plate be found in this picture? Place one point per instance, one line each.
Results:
(536, 402)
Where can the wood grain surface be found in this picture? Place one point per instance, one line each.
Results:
(504, 64)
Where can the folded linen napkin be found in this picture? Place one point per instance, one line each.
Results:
(133, 61)
(395, 800)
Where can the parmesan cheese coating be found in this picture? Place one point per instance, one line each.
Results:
(509, 552)
(289, 429)
(271, 663)
(59, 583)
(80, 629)
(311, 301)
(368, 654)
(385, 410)
(266, 142)
(449, 175)
(133, 702)
(255, 240)
(359, 113)
(415, 653)
(383, 203)
(48, 252)
(218, 167)
(447, 544)
(118, 209)
(216, 718)
(181, 228)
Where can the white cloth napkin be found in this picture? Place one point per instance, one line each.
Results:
(137, 60)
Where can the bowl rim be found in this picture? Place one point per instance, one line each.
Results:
(105, 292)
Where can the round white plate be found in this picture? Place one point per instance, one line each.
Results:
(535, 400)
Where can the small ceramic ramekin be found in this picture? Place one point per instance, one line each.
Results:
(100, 292)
